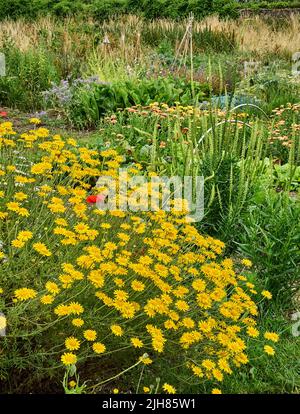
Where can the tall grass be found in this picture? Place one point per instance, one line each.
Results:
(250, 35)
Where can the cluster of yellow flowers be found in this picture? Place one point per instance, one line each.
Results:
(115, 280)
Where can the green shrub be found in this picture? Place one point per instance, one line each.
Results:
(151, 9)
(30, 9)
(103, 9)
(270, 4)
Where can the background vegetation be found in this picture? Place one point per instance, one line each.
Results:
(102, 9)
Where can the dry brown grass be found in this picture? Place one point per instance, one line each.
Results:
(252, 34)
(256, 35)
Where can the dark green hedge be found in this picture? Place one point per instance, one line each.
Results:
(102, 9)
(270, 4)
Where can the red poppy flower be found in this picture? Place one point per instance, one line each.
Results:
(94, 198)
(3, 114)
(91, 199)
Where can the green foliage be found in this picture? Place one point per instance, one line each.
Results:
(277, 375)
(287, 177)
(232, 161)
(30, 9)
(273, 87)
(270, 237)
(103, 9)
(270, 4)
(151, 9)
(89, 104)
(28, 74)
